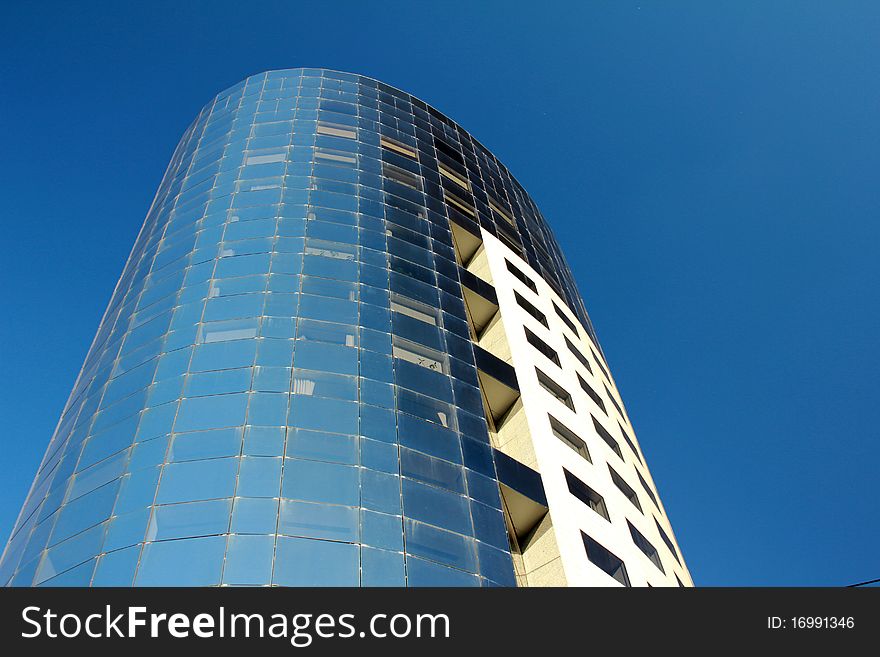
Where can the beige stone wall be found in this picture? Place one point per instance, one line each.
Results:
(540, 561)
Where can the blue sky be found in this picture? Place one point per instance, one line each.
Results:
(710, 168)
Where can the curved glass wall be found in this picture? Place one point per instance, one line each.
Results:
(283, 389)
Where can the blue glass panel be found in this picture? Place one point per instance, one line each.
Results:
(197, 480)
(483, 489)
(308, 520)
(255, 515)
(320, 446)
(211, 412)
(272, 379)
(117, 568)
(439, 545)
(323, 384)
(489, 526)
(223, 355)
(186, 562)
(382, 568)
(378, 423)
(205, 445)
(126, 530)
(191, 519)
(249, 560)
(432, 471)
(70, 553)
(380, 491)
(84, 512)
(338, 334)
(138, 490)
(315, 481)
(376, 393)
(218, 382)
(268, 409)
(436, 506)
(264, 441)
(275, 352)
(429, 438)
(381, 530)
(326, 358)
(75, 577)
(323, 414)
(496, 565)
(259, 477)
(379, 456)
(307, 562)
(427, 573)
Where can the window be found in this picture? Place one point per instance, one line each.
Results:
(577, 354)
(625, 488)
(668, 541)
(568, 436)
(453, 176)
(602, 558)
(450, 152)
(265, 159)
(631, 444)
(645, 546)
(397, 147)
(592, 394)
(521, 277)
(607, 437)
(335, 156)
(510, 239)
(541, 346)
(586, 494)
(418, 354)
(646, 487)
(599, 363)
(335, 130)
(458, 203)
(614, 401)
(530, 308)
(496, 207)
(401, 176)
(415, 309)
(570, 324)
(554, 389)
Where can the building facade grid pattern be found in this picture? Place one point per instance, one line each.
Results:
(283, 388)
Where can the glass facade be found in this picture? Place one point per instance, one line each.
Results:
(283, 388)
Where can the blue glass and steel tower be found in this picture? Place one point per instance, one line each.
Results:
(288, 386)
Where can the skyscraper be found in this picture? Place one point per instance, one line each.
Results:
(345, 350)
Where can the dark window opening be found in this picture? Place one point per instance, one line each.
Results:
(542, 346)
(586, 494)
(592, 394)
(647, 488)
(569, 437)
(606, 560)
(530, 308)
(519, 275)
(397, 147)
(577, 354)
(554, 389)
(625, 488)
(645, 546)
(629, 442)
(599, 363)
(665, 537)
(570, 324)
(607, 437)
(614, 401)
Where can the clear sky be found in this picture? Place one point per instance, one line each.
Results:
(711, 169)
